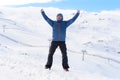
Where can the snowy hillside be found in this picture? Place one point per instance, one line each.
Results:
(25, 39)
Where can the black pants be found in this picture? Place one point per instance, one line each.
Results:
(62, 46)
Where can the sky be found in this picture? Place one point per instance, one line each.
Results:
(88, 5)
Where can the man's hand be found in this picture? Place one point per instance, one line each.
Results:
(78, 11)
(42, 10)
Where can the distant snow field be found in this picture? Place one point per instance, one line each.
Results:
(93, 45)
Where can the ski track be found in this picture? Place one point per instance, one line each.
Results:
(24, 44)
(29, 45)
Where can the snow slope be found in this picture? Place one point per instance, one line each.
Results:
(25, 38)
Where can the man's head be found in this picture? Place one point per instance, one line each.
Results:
(59, 17)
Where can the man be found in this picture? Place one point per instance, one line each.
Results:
(59, 34)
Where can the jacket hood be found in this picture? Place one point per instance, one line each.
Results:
(60, 14)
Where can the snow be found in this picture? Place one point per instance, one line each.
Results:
(25, 38)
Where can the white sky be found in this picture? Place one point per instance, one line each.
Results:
(19, 2)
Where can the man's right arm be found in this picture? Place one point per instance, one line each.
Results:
(46, 18)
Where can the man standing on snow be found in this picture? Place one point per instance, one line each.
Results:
(59, 34)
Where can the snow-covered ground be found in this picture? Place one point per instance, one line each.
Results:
(25, 39)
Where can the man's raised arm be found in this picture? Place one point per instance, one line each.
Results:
(46, 17)
(69, 22)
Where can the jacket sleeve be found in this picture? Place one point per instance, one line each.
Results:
(47, 19)
(69, 22)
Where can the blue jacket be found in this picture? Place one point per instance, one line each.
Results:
(59, 28)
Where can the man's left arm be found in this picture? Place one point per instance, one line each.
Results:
(69, 22)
